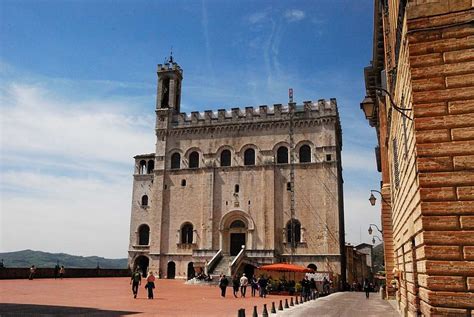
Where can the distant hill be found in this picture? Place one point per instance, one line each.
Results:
(27, 258)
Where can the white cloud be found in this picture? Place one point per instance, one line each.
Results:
(257, 17)
(294, 15)
(66, 176)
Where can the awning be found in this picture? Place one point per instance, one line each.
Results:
(285, 267)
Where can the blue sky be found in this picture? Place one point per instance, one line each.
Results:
(78, 81)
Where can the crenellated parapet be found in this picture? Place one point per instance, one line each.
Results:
(166, 67)
(278, 112)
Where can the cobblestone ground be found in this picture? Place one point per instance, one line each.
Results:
(347, 304)
(113, 297)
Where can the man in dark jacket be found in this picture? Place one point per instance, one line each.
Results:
(135, 281)
(223, 282)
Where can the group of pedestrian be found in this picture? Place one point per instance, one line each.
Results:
(308, 288)
(136, 281)
(59, 271)
(240, 284)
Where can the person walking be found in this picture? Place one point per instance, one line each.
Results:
(235, 285)
(262, 285)
(135, 281)
(366, 288)
(254, 285)
(56, 271)
(150, 284)
(32, 272)
(62, 271)
(312, 286)
(223, 283)
(244, 281)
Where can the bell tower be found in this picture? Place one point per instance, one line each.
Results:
(168, 94)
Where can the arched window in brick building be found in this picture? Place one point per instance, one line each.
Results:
(225, 158)
(187, 233)
(143, 235)
(144, 200)
(175, 161)
(293, 232)
(150, 167)
(305, 154)
(249, 157)
(282, 155)
(194, 160)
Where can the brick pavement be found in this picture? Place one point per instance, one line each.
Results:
(113, 297)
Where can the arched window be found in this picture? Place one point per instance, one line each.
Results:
(249, 157)
(194, 160)
(305, 154)
(143, 235)
(175, 161)
(237, 224)
(142, 167)
(225, 158)
(282, 155)
(151, 166)
(144, 200)
(293, 232)
(187, 233)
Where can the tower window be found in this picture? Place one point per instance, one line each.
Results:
(288, 186)
(144, 200)
(175, 161)
(166, 93)
(282, 155)
(236, 188)
(305, 154)
(143, 235)
(183, 182)
(249, 157)
(293, 230)
(194, 160)
(225, 158)
(142, 167)
(150, 167)
(187, 233)
(328, 157)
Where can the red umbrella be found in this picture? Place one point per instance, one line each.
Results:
(286, 267)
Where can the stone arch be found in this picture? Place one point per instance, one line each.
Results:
(141, 262)
(312, 266)
(220, 151)
(171, 270)
(187, 233)
(142, 167)
(193, 157)
(245, 148)
(227, 233)
(190, 272)
(150, 166)
(143, 234)
(298, 151)
(175, 159)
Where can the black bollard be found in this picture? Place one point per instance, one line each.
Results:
(280, 307)
(296, 298)
(241, 313)
(265, 311)
(291, 302)
(273, 311)
(286, 303)
(255, 314)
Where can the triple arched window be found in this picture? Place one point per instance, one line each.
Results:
(187, 233)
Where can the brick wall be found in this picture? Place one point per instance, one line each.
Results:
(441, 51)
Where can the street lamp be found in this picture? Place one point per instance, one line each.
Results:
(392, 103)
(373, 239)
(378, 229)
(372, 198)
(367, 105)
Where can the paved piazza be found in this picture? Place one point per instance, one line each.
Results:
(112, 297)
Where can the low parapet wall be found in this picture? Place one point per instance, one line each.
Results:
(21, 273)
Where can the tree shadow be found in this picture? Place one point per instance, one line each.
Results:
(47, 310)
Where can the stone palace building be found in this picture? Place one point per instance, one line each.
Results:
(218, 193)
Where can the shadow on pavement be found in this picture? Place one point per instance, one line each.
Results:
(46, 310)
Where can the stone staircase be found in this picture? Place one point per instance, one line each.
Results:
(223, 266)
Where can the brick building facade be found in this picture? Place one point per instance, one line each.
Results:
(217, 193)
(423, 55)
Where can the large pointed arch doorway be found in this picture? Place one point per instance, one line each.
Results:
(237, 231)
